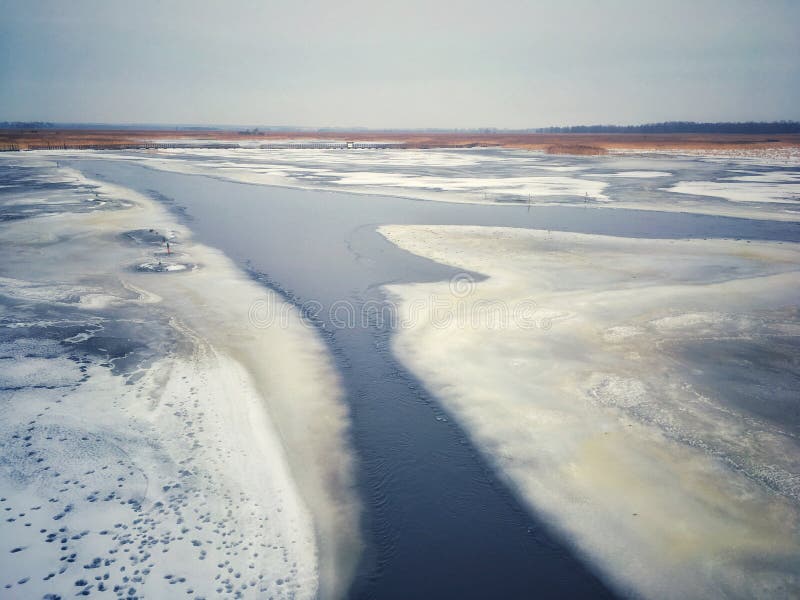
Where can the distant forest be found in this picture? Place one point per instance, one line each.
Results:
(682, 127)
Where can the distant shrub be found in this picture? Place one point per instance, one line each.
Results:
(575, 149)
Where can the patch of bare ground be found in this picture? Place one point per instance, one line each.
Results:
(578, 149)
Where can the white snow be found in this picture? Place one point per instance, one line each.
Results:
(741, 189)
(473, 188)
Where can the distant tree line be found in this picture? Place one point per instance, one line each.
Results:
(25, 125)
(756, 127)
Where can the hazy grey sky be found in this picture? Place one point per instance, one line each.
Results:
(411, 63)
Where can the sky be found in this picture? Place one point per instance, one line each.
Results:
(399, 64)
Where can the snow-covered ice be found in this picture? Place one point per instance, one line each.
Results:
(634, 174)
(155, 441)
(637, 393)
(781, 188)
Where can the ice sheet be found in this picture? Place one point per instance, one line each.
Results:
(498, 176)
(603, 377)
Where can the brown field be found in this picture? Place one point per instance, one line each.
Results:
(552, 143)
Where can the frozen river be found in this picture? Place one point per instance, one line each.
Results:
(436, 515)
(438, 519)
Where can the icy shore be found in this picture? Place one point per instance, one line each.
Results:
(640, 394)
(156, 439)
